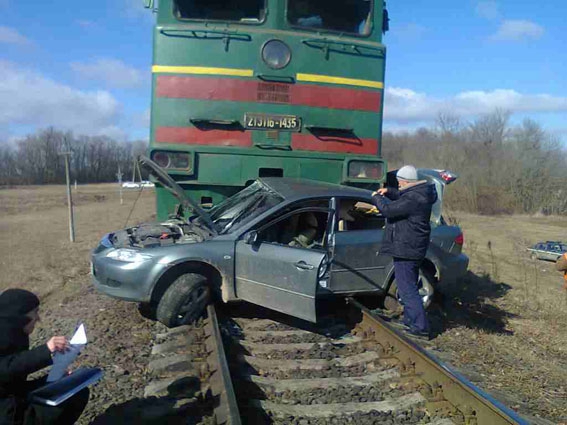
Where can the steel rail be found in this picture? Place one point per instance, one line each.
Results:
(476, 406)
(221, 383)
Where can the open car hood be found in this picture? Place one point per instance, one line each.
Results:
(170, 185)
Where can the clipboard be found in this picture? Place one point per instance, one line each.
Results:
(55, 393)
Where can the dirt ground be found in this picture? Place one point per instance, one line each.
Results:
(504, 327)
(37, 255)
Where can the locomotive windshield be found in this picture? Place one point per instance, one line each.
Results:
(350, 16)
(221, 10)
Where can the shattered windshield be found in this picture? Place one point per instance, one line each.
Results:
(349, 16)
(251, 11)
(243, 207)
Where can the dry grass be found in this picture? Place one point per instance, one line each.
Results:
(512, 328)
(36, 253)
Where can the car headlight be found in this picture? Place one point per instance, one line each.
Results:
(128, 256)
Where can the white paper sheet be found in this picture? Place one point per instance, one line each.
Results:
(61, 361)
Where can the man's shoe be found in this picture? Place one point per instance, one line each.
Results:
(420, 336)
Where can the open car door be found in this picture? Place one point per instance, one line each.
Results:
(278, 276)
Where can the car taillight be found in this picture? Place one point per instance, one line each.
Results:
(447, 176)
(460, 239)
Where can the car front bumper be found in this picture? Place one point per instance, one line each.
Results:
(127, 281)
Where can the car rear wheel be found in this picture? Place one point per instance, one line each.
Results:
(184, 301)
(392, 302)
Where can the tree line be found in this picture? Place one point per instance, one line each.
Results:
(503, 168)
(37, 159)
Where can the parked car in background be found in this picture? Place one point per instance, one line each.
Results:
(549, 250)
(279, 243)
(137, 185)
(130, 185)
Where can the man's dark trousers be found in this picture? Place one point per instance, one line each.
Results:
(407, 275)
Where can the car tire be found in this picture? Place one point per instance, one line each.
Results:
(184, 301)
(392, 301)
(533, 256)
(147, 310)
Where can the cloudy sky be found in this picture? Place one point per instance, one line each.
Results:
(86, 66)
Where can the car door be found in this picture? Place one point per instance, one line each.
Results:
(277, 276)
(357, 263)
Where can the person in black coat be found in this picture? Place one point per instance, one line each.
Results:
(406, 239)
(19, 313)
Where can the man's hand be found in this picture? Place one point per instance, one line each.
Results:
(57, 343)
(381, 192)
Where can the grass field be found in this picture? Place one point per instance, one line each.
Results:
(505, 326)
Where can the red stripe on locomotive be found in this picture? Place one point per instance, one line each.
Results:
(194, 136)
(205, 88)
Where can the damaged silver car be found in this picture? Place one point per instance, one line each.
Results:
(279, 243)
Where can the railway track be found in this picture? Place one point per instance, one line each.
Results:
(351, 368)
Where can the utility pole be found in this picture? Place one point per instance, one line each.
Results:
(69, 198)
(119, 175)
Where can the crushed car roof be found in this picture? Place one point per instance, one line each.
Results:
(296, 189)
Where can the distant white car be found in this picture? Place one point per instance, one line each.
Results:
(137, 185)
(130, 185)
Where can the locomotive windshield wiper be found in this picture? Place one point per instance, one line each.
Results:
(348, 47)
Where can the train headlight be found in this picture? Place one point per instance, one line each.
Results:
(276, 54)
(365, 170)
(173, 160)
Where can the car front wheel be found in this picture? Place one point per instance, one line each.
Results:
(392, 301)
(184, 301)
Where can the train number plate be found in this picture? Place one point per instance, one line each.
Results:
(272, 122)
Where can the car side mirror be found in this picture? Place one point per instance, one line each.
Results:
(251, 238)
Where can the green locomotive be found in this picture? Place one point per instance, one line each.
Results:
(265, 88)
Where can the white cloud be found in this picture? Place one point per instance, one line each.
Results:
(113, 72)
(404, 105)
(488, 10)
(11, 36)
(517, 30)
(30, 99)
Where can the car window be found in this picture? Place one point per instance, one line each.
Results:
(304, 229)
(357, 214)
(243, 207)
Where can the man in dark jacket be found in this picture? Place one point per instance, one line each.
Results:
(19, 312)
(406, 239)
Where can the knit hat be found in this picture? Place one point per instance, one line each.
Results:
(407, 172)
(16, 303)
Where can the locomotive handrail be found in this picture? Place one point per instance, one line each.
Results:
(320, 128)
(194, 33)
(325, 43)
(203, 122)
(276, 78)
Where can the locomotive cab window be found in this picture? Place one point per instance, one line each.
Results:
(252, 11)
(350, 16)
